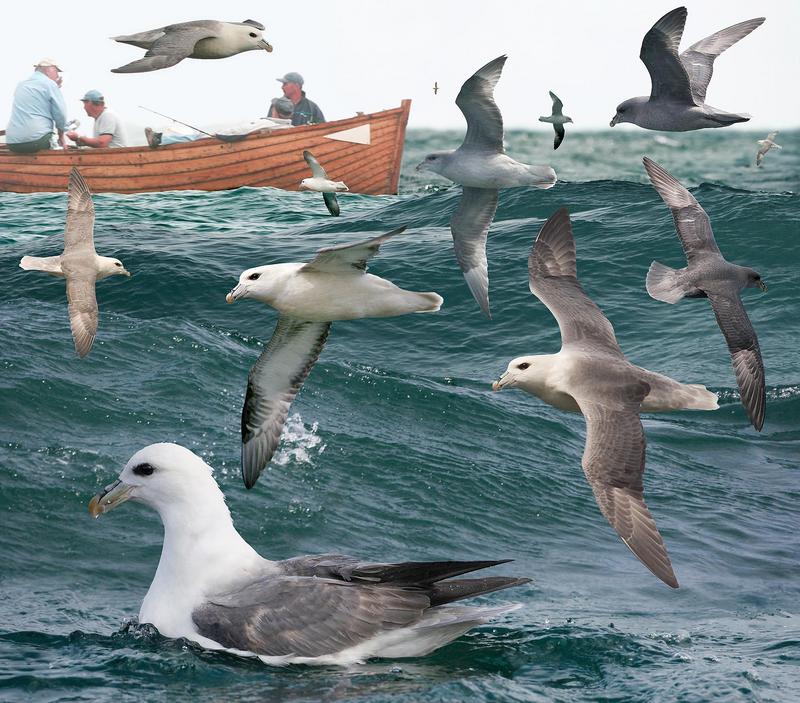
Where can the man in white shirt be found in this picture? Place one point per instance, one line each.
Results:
(108, 131)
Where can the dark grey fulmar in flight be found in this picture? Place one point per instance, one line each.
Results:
(677, 101)
(709, 275)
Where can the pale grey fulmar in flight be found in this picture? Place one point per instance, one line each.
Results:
(558, 119)
(309, 297)
(212, 588)
(764, 145)
(79, 264)
(200, 39)
(482, 167)
(677, 101)
(591, 375)
(709, 275)
(320, 183)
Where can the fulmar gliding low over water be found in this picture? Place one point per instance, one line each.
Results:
(482, 167)
(309, 297)
(764, 145)
(80, 264)
(591, 375)
(200, 39)
(320, 183)
(677, 101)
(708, 275)
(212, 588)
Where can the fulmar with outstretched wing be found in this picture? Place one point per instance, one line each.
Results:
(709, 275)
(79, 264)
(199, 39)
(482, 167)
(678, 82)
(591, 375)
(334, 286)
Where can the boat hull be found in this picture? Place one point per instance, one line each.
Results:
(262, 159)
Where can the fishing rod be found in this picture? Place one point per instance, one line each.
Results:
(221, 137)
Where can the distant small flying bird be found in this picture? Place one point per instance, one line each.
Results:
(558, 119)
(435, 88)
(766, 145)
(201, 39)
(80, 264)
(320, 183)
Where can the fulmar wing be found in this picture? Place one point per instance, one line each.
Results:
(316, 168)
(176, 44)
(613, 461)
(82, 305)
(558, 106)
(560, 132)
(698, 59)
(469, 226)
(552, 275)
(745, 353)
(348, 258)
(691, 221)
(659, 54)
(476, 101)
(79, 232)
(305, 617)
(274, 381)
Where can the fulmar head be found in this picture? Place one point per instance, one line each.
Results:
(165, 477)
(111, 267)
(525, 372)
(436, 161)
(627, 111)
(754, 280)
(250, 37)
(261, 283)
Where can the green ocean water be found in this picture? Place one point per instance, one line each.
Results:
(396, 448)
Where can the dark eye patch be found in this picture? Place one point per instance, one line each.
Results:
(254, 276)
(524, 365)
(143, 470)
(253, 34)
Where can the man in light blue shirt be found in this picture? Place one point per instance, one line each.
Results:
(38, 105)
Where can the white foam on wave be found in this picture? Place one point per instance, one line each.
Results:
(298, 442)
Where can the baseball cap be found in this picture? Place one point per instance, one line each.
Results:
(94, 96)
(291, 77)
(44, 63)
(283, 105)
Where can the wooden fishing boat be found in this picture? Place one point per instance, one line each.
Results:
(363, 151)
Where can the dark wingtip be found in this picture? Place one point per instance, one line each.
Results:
(250, 473)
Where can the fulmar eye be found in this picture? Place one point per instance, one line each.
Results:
(117, 263)
(143, 470)
(524, 365)
(253, 34)
(254, 276)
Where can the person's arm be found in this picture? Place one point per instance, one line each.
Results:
(317, 115)
(95, 142)
(58, 109)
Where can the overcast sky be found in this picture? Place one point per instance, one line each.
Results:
(367, 55)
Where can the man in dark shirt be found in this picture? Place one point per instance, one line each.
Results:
(305, 111)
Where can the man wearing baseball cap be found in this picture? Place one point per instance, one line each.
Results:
(305, 111)
(108, 131)
(38, 106)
